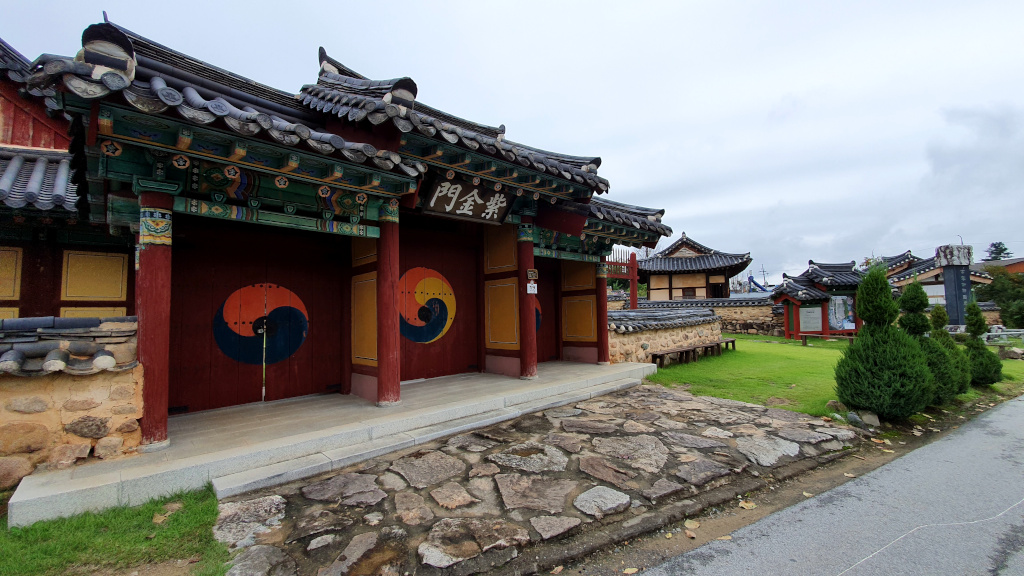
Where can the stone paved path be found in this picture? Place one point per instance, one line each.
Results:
(475, 501)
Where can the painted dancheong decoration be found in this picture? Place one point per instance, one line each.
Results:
(426, 305)
(261, 324)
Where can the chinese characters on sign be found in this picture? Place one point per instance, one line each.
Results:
(482, 201)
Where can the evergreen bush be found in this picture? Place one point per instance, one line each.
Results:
(884, 370)
(960, 362)
(986, 367)
(916, 324)
(875, 304)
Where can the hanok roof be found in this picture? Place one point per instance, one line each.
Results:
(899, 260)
(805, 287)
(688, 255)
(762, 300)
(923, 266)
(624, 321)
(635, 216)
(78, 346)
(36, 177)
(13, 62)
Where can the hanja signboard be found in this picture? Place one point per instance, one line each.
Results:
(468, 199)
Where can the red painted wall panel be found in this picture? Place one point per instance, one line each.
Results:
(23, 122)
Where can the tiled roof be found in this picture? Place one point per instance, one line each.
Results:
(980, 266)
(636, 216)
(625, 321)
(35, 177)
(78, 346)
(731, 264)
(203, 94)
(898, 260)
(802, 287)
(12, 61)
(687, 242)
(356, 99)
(927, 265)
(766, 300)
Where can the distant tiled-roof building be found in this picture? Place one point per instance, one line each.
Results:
(904, 268)
(689, 270)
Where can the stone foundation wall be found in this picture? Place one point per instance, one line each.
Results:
(635, 346)
(53, 421)
(750, 320)
(991, 317)
(618, 304)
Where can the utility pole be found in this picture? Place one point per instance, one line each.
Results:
(764, 276)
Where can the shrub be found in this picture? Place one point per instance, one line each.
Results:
(885, 371)
(912, 303)
(875, 304)
(976, 325)
(945, 376)
(986, 367)
(961, 364)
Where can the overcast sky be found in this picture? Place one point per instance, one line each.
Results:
(793, 130)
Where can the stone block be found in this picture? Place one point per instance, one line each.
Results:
(27, 405)
(13, 469)
(122, 392)
(80, 404)
(124, 409)
(22, 437)
(89, 427)
(108, 447)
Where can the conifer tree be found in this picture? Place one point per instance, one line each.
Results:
(961, 363)
(940, 364)
(986, 367)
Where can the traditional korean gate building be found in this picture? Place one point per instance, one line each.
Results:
(821, 300)
(347, 238)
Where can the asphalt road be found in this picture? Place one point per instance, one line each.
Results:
(955, 506)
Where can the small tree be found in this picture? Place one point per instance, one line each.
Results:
(1007, 291)
(986, 367)
(960, 362)
(997, 251)
(913, 303)
(883, 369)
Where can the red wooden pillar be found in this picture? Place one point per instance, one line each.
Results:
(824, 318)
(796, 321)
(527, 303)
(634, 282)
(389, 348)
(602, 312)
(153, 307)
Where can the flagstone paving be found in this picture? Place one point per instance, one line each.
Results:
(476, 501)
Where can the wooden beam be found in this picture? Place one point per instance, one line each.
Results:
(290, 163)
(238, 151)
(184, 139)
(462, 160)
(337, 171)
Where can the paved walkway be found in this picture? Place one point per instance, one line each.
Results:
(248, 447)
(955, 506)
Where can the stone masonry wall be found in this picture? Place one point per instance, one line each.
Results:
(991, 317)
(750, 320)
(634, 346)
(52, 421)
(617, 304)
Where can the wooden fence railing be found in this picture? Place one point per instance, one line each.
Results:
(625, 268)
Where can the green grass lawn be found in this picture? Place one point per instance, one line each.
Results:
(117, 538)
(770, 371)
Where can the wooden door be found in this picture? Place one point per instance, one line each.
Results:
(546, 311)
(254, 314)
(438, 297)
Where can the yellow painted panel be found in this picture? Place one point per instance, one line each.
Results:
(719, 279)
(500, 249)
(577, 275)
(92, 312)
(689, 280)
(579, 319)
(10, 273)
(94, 276)
(6, 313)
(702, 293)
(658, 295)
(364, 319)
(364, 251)
(501, 302)
(659, 281)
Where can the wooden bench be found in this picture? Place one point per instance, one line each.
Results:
(804, 337)
(689, 354)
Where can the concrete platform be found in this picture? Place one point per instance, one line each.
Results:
(253, 446)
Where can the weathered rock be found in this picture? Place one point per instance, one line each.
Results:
(747, 430)
(661, 488)
(122, 392)
(316, 520)
(412, 509)
(483, 469)
(587, 426)
(534, 492)
(642, 452)
(373, 518)
(690, 441)
(498, 533)
(784, 415)
(802, 435)
(262, 561)
(471, 443)
(600, 407)
(350, 489)
(430, 467)
(669, 424)
(27, 405)
(855, 420)
(239, 522)
(108, 447)
(356, 549)
(23, 437)
(13, 469)
(451, 496)
(634, 427)
(123, 409)
(766, 450)
(603, 470)
(551, 526)
(564, 412)
(499, 433)
(391, 481)
(725, 402)
(128, 426)
(89, 427)
(713, 432)
(841, 434)
(569, 442)
(321, 541)
(65, 455)
(701, 471)
(601, 501)
(644, 416)
(80, 404)
(449, 542)
(869, 418)
(531, 457)
(836, 406)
